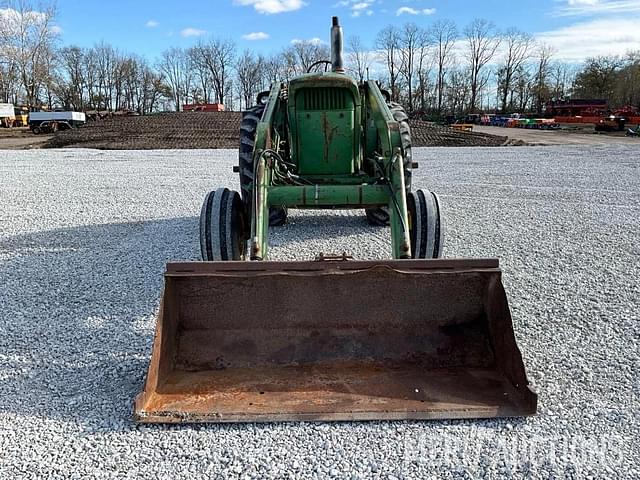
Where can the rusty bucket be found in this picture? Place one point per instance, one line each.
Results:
(348, 340)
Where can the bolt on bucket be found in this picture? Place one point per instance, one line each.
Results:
(348, 340)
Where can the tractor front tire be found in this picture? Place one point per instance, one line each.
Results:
(248, 127)
(379, 216)
(223, 234)
(426, 229)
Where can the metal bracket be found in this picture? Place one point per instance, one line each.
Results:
(333, 257)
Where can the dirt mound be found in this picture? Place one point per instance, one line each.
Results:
(185, 130)
(219, 130)
(426, 134)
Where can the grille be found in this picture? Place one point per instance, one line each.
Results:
(324, 98)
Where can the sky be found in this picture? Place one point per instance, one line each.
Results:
(575, 28)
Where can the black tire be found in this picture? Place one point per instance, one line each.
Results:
(248, 126)
(379, 216)
(223, 234)
(36, 130)
(426, 229)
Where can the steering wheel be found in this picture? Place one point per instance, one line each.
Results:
(318, 63)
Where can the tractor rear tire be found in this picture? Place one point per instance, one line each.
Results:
(248, 126)
(426, 229)
(379, 216)
(223, 234)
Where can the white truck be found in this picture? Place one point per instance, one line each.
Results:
(7, 115)
(48, 122)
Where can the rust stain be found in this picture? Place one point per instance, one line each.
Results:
(328, 132)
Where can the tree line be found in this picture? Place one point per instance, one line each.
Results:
(438, 69)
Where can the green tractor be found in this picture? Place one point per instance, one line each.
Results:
(333, 338)
(322, 141)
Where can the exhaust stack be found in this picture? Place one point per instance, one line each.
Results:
(337, 42)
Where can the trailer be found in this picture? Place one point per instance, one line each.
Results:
(203, 107)
(49, 122)
(22, 116)
(7, 115)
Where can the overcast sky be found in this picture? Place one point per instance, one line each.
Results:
(576, 28)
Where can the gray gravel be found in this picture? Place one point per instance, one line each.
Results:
(84, 236)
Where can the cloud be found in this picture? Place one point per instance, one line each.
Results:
(313, 41)
(10, 21)
(151, 24)
(415, 11)
(357, 7)
(256, 36)
(575, 42)
(270, 7)
(596, 7)
(192, 32)
(11, 18)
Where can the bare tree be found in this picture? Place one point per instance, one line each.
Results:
(424, 66)
(305, 53)
(203, 83)
(599, 77)
(443, 35)
(522, 89)
(104, 58)
(412, 40)
(175, 69)
(143, 86)
(541, 89)
(46, 75)
(9, 81)
(562, 76)
(518, 47)
(627, 89)
(388, 42)
(151, 84)
(482, 43)
(250, 72)
(27, 39)
(359, 57)
(218, 57)
(457, 89)
(72, 61)
(274, 69)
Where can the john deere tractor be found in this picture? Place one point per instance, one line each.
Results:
(280, 341)
(322, 140)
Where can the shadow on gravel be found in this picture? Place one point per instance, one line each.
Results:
(78, 315)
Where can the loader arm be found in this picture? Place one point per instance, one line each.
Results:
(391, 168)
(266, 137)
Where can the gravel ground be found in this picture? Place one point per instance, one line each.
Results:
(84, 236)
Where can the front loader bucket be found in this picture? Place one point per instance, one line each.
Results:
(349, 340)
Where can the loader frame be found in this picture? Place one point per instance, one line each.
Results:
(386, 187)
